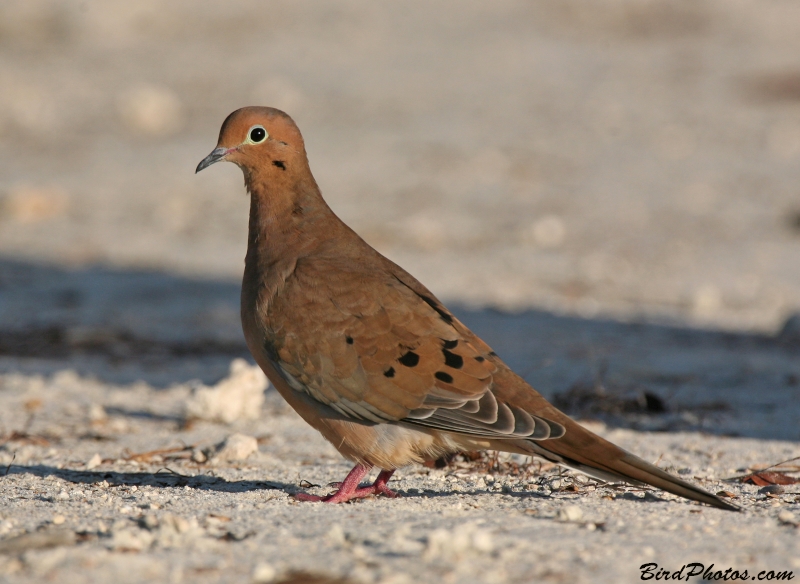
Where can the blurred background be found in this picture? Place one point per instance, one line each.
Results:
(638, 159)
(606, 191)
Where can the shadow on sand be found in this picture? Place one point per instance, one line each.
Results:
(164, 478)
(124, 325)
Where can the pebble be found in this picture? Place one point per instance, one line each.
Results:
(94, 462)
(482, 541)
(263, 573)
(788, 518)
(149, 521)
(178, 524)
(336, 535)
(97, 413)
(461, 540)
(131, 540)
(772, 490)
(199, 456)
(238, 396)
(236, 447)
(570, 513)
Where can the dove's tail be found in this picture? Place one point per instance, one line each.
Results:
(584, 451)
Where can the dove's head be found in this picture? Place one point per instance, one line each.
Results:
(260, 140)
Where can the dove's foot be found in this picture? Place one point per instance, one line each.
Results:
(348, 489)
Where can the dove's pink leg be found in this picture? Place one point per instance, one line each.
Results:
(349, 489)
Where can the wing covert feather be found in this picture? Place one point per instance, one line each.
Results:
(399, 356)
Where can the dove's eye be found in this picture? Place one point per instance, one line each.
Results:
(257, 134)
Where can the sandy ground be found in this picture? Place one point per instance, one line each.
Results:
(606, 192)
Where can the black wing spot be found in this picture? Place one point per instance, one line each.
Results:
(449, 344)
(410, 359)
(492, 354)
(280, 164)
(389, 372)
(349, 340)
(480, 359)
(453, 360)
(442, 376)
(432, 303)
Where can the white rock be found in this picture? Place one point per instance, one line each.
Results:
(149, 522)
(263, 573)
(174, 531)
(238, 396)
(177, 523)
(570, 513)
(131, 540)
(442, 543)
(236, 447)
(788, 518)
(461, 540)
(199, 456)
(97, 413)
(482, 541)
(336, 535)
(94, 462)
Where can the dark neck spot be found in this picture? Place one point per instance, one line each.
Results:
(349, 340)
(410, 359)
(442, 376)
(389, 372)
(280, 164)
(453, 360)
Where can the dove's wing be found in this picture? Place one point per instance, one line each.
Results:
(378, 347)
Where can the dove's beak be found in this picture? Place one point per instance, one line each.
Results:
(216, 155)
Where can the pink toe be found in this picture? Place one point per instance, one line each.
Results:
(308, 498)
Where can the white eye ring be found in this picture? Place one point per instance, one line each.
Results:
(257, 134)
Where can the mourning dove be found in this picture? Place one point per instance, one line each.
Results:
(370, 357)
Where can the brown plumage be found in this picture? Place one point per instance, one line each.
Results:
(365, 353)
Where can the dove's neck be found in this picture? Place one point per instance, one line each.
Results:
(287, 214)
(289, 220)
